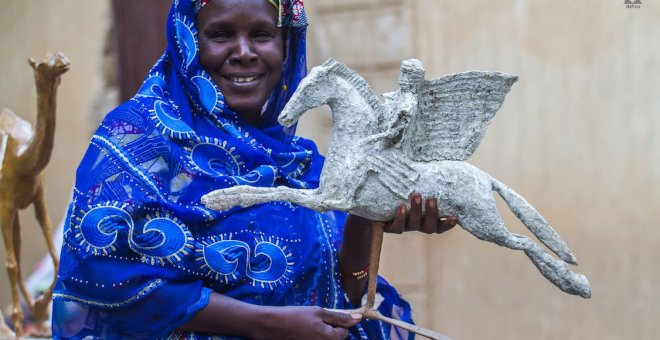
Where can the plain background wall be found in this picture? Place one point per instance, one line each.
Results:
(576, 137)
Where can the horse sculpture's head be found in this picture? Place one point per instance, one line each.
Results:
(312, 92)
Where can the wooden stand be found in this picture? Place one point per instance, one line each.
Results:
(370, 311)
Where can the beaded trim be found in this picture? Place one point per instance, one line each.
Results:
(133, 298)
(361, 274)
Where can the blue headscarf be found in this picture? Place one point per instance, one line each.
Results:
(141, 254)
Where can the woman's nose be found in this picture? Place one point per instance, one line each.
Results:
(243, 51)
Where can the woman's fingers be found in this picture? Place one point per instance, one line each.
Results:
(338, 333)
(415, 215)
(341, 320)
(430, 224)
(397, 225)
(446, 222)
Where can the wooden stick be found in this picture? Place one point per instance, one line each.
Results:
(376, 315)
(369, 311)
(374, 264)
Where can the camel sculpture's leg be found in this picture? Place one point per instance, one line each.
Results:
(246, 196)
(490, 227)
(7, 216)
(17, 248)
(40, 311)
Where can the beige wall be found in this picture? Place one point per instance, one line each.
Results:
(577, 136)
(30, 29)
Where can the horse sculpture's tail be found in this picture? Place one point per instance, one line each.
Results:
(534, 221)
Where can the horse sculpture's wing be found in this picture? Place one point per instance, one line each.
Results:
(394, 173)
(454, 111)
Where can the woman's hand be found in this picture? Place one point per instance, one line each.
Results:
(354, 254)
(431, 222)
(302, 322)
(227, 316)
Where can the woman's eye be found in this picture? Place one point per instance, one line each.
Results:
(263, 36)
(221, 35)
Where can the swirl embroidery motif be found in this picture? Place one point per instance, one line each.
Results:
(162, 238)
(228, 260)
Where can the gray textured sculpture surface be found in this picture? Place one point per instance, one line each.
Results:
(416, 141)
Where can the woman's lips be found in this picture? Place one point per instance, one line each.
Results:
(243, 79)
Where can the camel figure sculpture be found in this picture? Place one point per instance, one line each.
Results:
(416, 141)
(24, 153)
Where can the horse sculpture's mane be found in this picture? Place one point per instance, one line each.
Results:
(357, 82)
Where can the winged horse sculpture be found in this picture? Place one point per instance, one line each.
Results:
(416, 141)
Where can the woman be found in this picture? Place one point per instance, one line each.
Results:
(143, 258)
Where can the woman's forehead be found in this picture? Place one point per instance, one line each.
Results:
(201, 3)
(242, 12)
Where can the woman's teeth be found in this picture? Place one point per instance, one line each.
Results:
(242, 79)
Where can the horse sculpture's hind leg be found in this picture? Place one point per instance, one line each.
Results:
(534, 221)
(558, 272)
(490, 227)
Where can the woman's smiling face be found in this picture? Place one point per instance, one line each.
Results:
(242, 48)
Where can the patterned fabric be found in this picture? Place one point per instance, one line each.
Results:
(201, 3)
(141, 255)
(290, 14)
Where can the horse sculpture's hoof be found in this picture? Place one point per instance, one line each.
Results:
(579, 285)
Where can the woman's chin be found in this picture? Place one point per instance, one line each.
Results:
(250, 114)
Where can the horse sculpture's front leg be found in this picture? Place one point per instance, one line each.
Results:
(246, 196)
